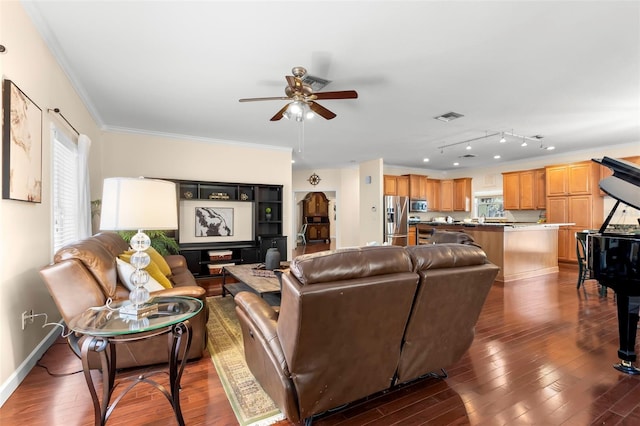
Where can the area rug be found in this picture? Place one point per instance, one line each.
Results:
(250, 403)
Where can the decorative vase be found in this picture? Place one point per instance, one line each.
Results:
(272, 259)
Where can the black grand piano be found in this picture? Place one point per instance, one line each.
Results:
(614, 257)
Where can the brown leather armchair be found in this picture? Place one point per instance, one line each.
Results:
(83, 274)
(354, 322)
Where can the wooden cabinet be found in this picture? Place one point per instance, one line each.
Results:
(417, 187)
(572, 179)
(462, 194)
(557, 181)
(527, 190)
(396, 185)
(540, 189)
(524, 190)
(317, 231)
(446, 195)
(433, 194)
(316, 204)
(413, 236)
(511, 190)
(390, 185)
(572, 197)
(315, 211)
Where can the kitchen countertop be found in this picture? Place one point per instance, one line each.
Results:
(495, 224)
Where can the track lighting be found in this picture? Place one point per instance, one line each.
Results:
(503, 139)
(524, 142)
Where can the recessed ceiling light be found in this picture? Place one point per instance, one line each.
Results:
(456, 164)
(449, 116)
(496, 157)
(551, 148)
(293, 161)
(426, 160)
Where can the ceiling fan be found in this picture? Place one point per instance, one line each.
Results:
(303, 98)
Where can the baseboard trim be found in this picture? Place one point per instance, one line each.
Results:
(14, 380)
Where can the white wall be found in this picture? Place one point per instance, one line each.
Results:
(371, 184)
(26, 227)
(128, 154)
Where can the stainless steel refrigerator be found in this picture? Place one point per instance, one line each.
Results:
(396, 226)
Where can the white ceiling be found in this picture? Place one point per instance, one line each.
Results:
(568, 71)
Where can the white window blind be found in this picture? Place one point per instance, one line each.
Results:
(65, 189)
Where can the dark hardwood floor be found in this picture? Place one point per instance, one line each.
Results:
(542, 355)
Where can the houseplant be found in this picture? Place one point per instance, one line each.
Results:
(160, 241)
(267, 213)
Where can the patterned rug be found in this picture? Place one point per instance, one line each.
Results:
(250, 403)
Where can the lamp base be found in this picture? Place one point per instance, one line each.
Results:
(138, 312)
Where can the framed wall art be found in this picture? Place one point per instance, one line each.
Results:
(213, 221)
(21, 146)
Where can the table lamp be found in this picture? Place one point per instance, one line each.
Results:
(137, 204)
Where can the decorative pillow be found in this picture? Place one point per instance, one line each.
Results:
(158, 259)
(125, 270)
(153, 269)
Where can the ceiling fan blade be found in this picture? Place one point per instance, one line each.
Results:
(280, 113)
(342, 94)
(321, 111)
(274, 98)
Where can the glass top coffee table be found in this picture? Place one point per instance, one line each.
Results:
(105, 327)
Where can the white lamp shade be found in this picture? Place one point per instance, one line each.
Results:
(138, 203)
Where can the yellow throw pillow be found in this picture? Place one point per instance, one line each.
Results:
(153, 269)
(158, 259)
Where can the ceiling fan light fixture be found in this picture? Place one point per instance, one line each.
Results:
(297, 110)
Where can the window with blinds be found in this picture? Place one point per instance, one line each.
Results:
(65, 189)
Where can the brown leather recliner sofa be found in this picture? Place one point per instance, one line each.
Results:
(354, 322)
(83, 274)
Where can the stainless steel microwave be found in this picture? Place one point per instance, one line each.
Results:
(418, 206)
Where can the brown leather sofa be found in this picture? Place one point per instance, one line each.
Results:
(354, 322)
(83, 274)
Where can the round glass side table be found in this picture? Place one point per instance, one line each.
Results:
(107, 326)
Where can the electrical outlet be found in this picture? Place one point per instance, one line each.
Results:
(27, 316)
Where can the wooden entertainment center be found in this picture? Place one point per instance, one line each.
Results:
(248, 204)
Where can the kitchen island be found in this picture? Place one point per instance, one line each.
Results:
(521, 250)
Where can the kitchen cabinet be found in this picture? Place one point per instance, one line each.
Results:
(511, 190)
(573, 197)
(417, 187)
(540, 189)
(446, 195)
(396, 185)
(413, 236)
(462, 194)
(524, 190)
(433, 194)
(572, 179)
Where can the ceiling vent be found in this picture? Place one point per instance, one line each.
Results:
(468, 156)
(316, 83)
(448, 116)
